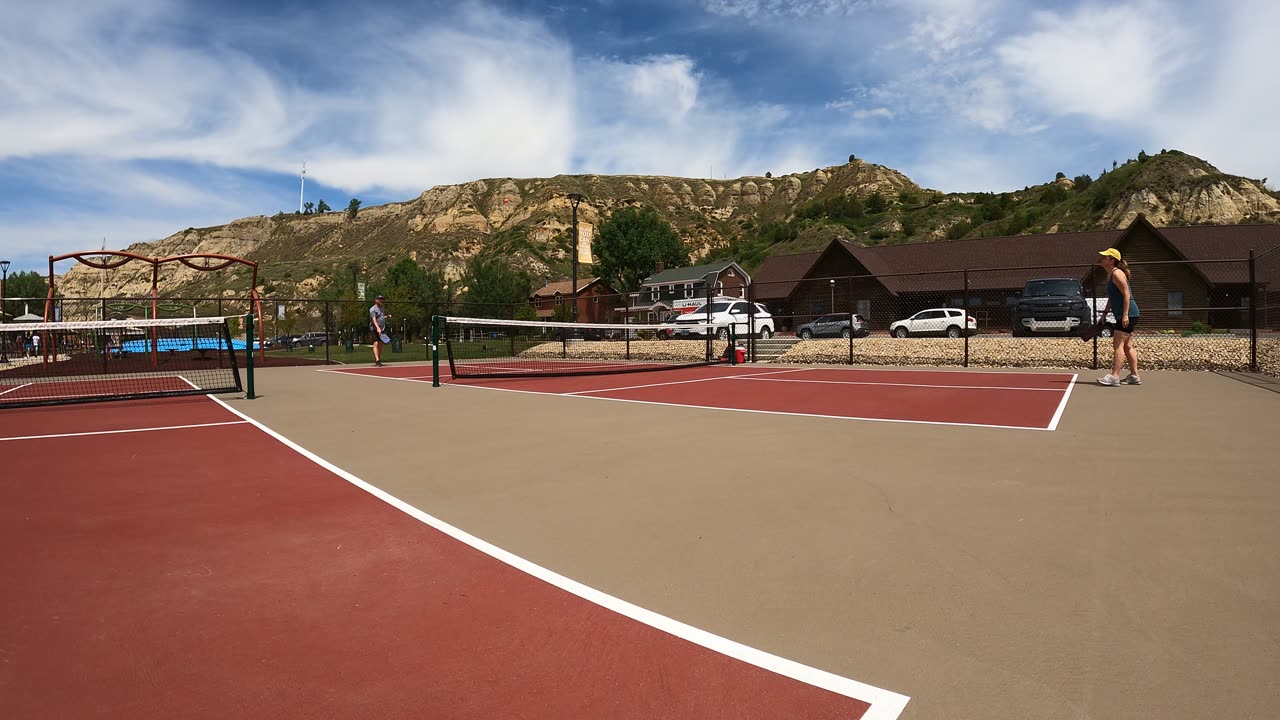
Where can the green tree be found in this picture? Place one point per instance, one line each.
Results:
(323, 207)
(525, 312)
(1059, 176)
(495, 288)
(408, 289)
(308, 207)
(1082, 182)
(632, 242)
(768, 174)
(877, 203)
(31, 287)
(852, 157)
(353, 207)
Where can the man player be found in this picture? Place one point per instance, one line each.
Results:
(378, 326)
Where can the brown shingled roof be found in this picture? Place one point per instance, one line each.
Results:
(1227, 242)
(778, 274)
(564, 287)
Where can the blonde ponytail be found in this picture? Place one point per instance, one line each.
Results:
(1124, 268)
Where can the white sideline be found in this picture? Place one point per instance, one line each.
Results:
(122, 431)
(885, 704)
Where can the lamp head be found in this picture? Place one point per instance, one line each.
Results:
(4, 265)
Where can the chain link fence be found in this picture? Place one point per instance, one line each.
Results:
(1205, 315)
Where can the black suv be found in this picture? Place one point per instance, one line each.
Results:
(1051, 306)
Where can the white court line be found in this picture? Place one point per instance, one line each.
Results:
(684, 382)
(1053, 424)
(885, 704)
(894, 384)
(747, 410)
(17, 388)
(122, 431)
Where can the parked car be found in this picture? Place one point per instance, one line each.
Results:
(314, 338)
(1051, 306)
(837, 325)
(723, 314)
(668, 327)
(935, 321)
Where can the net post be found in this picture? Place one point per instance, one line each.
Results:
(1253, 313)
(435, 351)
(732, 349)
(626, 334)
(248, 356)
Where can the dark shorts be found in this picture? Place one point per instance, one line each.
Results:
(1121, 327)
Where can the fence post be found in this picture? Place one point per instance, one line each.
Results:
(435, 351)
(1093, 311)
(853, 312)
(328, 316)
(751, 310)
(248, 355)
(1253, 314)
(964, 321)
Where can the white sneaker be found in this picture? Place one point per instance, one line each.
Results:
(1109, 379)
(1133, 380)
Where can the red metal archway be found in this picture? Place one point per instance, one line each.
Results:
(116, 258)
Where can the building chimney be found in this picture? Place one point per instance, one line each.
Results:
(661, 266)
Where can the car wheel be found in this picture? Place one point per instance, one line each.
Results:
(765, 333)
(1106, 332)
(900, 332)
(845, 333)
(722, 334)
(953, 332)
(806, 334)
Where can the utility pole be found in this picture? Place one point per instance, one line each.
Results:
(303, 187)
(574, 199)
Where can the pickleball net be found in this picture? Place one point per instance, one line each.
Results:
(75, 362)
(486, 348)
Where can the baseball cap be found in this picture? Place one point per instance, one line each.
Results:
(1111, 253)
(378, 297)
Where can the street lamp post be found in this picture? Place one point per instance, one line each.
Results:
(833, 295)
(4, 337)
(574, 199)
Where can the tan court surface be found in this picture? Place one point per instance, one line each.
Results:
(1126, 565)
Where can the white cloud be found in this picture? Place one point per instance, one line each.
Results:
(881, 113)
(1112, 63)
(796, 8)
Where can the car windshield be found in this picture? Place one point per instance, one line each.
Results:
(1044, 288)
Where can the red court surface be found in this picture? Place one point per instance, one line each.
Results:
(170, 559)
(1032, 401)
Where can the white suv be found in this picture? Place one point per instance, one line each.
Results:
(724, 313)
(935, 321)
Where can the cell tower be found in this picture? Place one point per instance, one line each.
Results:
(302, 189)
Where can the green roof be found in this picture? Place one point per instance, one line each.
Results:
(687, 274)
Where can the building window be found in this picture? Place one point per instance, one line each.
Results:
(1175, 303)
(595, 299)
(559, 300)
(688, 290)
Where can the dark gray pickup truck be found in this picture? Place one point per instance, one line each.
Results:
(1051, 306)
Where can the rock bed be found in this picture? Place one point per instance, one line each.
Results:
(1210, 352)
(644, 350)
(1207, 352)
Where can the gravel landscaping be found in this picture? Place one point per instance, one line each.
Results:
(1156, 352)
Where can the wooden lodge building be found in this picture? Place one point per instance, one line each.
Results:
(596, 299)
(1181, 275)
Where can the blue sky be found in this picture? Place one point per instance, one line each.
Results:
(132, 119)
